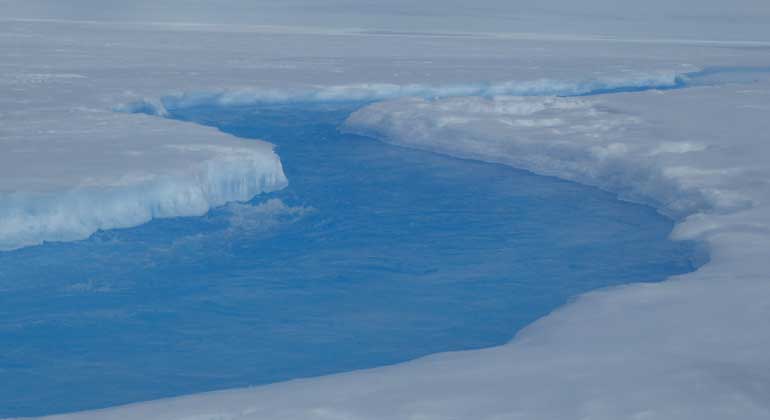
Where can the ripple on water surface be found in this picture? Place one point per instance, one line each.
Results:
(373, 255)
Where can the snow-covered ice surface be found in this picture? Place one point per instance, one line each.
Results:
(693, 347)
(70, 165)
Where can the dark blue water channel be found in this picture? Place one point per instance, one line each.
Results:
(373, 255)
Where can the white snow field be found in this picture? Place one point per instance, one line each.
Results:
(693, 347)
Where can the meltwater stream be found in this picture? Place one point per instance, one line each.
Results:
(373, 255)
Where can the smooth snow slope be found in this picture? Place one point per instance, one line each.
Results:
(692, 347)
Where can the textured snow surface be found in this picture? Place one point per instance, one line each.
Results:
(693, 347)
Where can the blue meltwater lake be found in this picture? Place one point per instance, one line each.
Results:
(373, 255)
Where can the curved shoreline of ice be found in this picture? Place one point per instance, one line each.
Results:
(692, 347)
(28, 219)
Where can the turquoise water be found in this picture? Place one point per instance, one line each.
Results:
(373, 255)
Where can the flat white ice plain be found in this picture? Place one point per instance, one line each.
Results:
(693, 347)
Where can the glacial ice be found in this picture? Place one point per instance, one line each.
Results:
(58, 186)
(693, 347)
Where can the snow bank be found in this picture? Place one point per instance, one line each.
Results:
(97, 170)
(593, 141)
(574, 139)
